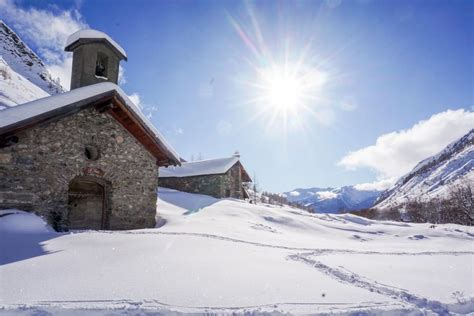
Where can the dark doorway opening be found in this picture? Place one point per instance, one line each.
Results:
(87, 204)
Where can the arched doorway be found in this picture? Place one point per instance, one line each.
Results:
(87, 204)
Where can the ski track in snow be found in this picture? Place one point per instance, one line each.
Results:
(351, 278)
(395, 299)
(319, 251)
(306, 256)
(149, 304)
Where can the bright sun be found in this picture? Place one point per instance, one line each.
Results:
(289, 87)
(284, 92)
(280, 89)
(288, 90)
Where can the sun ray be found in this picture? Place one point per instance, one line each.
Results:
(287, 90)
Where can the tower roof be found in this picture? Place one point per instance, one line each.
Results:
(91, 36)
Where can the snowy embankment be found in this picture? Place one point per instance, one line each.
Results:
(16, 89)
(228, 256)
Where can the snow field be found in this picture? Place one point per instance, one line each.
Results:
(228, 256)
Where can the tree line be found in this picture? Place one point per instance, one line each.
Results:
(456, 208)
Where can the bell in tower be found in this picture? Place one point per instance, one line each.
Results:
(96, 58)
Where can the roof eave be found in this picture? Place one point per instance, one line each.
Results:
(245, 175)
(81, 41)
(173, 159)
(96, 100)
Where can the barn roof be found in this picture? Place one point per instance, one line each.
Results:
(105, 97)
(90, 35)
(203, 167)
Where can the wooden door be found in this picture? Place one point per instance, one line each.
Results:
(86, 205)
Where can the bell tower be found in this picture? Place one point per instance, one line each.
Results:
(96, 58)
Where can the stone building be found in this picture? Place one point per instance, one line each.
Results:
(87, 158)
(224, 177)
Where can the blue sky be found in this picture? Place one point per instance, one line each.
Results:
(393, 69)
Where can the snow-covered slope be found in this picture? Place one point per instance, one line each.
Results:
(333, 200)
(16, 89)
(213, 256)
(23, 62)
(436, 175)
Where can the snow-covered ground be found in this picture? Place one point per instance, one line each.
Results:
(226, 256)
(16, 89)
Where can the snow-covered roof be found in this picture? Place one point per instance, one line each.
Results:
(199, 168)
(44, 109)
(90, 34)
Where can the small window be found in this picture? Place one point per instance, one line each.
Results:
(92, 152)
(227, 193)
(101, 65)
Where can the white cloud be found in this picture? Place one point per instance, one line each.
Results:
(62, 70)
(135, 98)
(396, 153)
(48, 31)
(146, 109)
(121, 76)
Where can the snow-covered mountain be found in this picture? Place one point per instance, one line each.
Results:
(23, 76)
(333, 200)
(16, 89)
(434, 176)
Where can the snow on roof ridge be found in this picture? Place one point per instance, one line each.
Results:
(91, 34)
(201, 167)
(47, 104)
(211, 159)
(147, 122)
(43, 105)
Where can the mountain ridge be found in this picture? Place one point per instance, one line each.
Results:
(20, 62)
(333, 200)
(435, 175)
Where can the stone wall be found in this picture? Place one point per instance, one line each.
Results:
(235, 177)
(36, 172)
(84, 62)
(219, 185)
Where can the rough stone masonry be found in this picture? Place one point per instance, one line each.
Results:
(36, 173)
(228, 184)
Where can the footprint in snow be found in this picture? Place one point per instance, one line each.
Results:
(417, 237)
(357, 237)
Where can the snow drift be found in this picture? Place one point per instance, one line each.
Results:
(226, 256)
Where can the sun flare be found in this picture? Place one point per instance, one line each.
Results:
(289, 89)
(282, 90)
